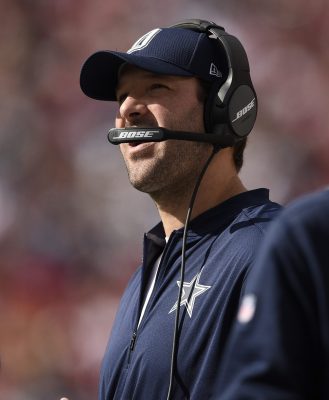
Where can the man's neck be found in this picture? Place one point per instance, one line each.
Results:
(173, 212)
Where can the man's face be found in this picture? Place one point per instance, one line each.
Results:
(172, 102)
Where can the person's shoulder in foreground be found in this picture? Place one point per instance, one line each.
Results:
(279, 346)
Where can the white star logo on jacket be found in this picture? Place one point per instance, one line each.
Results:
(191, 290)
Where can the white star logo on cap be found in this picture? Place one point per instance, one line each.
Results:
(144, 41)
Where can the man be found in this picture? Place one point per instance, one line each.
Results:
(167, 80)
(279, 348)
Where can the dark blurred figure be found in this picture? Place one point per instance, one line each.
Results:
(279, 348)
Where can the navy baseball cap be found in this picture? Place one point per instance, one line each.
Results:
(167, 51)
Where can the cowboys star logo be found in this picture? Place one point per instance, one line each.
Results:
(191, 290)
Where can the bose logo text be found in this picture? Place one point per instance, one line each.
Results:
(135, 134)
(245, 109)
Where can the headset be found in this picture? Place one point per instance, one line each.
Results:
(230, 109)
(234, 102)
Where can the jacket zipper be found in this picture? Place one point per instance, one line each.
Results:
(134, 335)
(131, 346)
(133, 341)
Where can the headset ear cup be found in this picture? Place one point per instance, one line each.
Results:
(235, 116)
(242, 111)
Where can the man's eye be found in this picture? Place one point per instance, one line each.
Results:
(155, 86)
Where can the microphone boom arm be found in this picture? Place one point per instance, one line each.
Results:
(128, 135)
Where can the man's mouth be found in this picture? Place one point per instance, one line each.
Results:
(135, 144)
(138, 142)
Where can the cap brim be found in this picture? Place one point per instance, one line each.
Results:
(99, 73)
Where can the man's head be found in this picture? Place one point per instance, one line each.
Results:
(181, 52)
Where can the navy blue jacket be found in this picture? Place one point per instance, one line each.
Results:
(279, 347)
(221, 245)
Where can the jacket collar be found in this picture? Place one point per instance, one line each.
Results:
(215, 217)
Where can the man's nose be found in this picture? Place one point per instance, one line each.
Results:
(131, 109)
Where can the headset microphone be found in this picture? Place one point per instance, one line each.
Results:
(128, 135)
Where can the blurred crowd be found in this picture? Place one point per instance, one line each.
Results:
(70, 224)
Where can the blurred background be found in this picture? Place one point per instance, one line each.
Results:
(70, 224)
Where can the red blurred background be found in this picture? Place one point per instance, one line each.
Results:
(70, 224)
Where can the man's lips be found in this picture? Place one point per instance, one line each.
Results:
(140, 147)
(135, 144)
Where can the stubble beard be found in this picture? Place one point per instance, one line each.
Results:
(171, 174)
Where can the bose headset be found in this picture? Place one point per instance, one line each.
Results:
(230, 112)
(231, 107)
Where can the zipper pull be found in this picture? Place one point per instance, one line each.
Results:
(133, 341)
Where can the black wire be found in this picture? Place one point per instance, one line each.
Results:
(182, 272)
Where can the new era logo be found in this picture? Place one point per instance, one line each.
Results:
(215, 71)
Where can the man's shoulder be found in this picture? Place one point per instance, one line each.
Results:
(257, 215)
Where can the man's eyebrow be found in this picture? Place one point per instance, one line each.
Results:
(147, 75)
